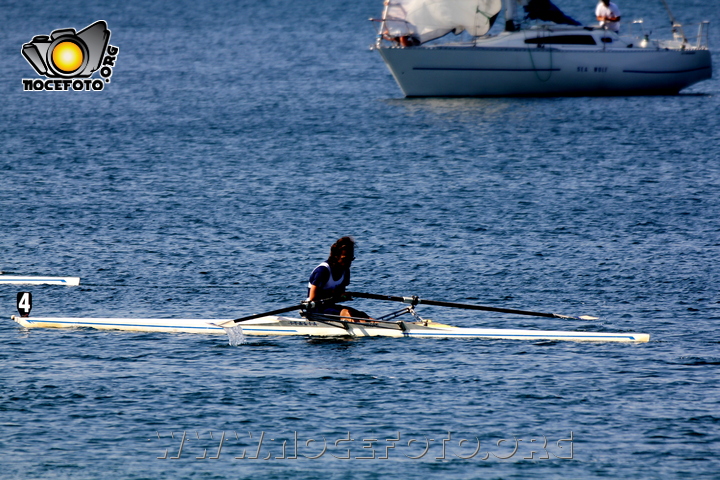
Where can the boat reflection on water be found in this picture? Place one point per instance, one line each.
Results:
(531, 58)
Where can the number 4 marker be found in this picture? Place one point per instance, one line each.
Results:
(24, 303)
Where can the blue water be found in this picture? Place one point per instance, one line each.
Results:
(235, 143)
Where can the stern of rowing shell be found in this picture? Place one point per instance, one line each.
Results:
(21, 320)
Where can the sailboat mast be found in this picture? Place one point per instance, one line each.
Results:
(382, 23)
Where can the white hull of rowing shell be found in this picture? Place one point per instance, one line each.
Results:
(26, 280)
(299, 326)
(497, 67)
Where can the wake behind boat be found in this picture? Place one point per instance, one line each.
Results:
(530, 59)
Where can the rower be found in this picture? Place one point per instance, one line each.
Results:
(329, 280)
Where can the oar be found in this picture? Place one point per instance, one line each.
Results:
(300, 306)
(417, 301)
(230, 323)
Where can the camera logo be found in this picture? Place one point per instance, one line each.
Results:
(65, 57)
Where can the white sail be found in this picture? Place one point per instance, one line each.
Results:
(430, 19)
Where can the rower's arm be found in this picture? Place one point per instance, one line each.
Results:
(315, 293)
(312, 294)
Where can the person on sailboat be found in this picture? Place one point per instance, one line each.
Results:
(329, 280)
(608, 14)
(400, 33)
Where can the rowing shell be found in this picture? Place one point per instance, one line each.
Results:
(27, 280)
(274, 325)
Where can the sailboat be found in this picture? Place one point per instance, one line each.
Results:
(546, 53)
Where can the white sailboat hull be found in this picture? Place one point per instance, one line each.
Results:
(292, 326)
(505, 66)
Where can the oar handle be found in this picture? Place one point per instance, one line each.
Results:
(417, 301)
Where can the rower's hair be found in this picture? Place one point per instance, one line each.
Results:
(344, 243)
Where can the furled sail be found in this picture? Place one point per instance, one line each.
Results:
(430, 19)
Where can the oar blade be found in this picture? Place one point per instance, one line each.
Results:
(570, 317)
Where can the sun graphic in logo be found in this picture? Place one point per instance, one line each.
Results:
(67, 56)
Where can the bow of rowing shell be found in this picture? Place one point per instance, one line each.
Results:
(274, 325)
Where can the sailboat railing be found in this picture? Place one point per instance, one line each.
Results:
(700, 42)
(702, 35)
